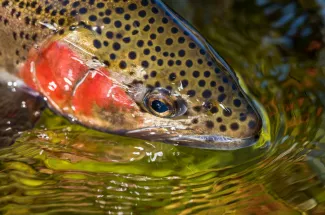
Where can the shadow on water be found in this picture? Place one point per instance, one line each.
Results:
(277, 51)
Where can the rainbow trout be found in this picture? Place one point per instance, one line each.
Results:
(129, 67)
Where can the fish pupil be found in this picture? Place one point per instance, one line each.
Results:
(159, 106)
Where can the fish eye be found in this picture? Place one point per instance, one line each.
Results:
(161, 103)
(159, 106)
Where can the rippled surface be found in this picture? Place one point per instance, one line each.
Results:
(276, 49)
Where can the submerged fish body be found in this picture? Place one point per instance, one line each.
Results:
(130, 67)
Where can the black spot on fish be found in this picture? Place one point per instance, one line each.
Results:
(223, 128)
(234, 126)
(206, 94)
(237, 102)
(227, 112)
(209, 124)
(191, 93)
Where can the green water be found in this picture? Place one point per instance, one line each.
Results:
(62, 168)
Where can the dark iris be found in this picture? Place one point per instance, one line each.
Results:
(159, 106)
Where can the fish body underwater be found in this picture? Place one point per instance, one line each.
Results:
(130, 67)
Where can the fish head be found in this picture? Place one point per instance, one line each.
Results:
(137, 69)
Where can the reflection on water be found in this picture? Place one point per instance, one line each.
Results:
(276, 49)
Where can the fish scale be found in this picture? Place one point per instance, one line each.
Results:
(141, 46)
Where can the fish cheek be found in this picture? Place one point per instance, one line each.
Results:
(102, 102)
(53, 71)
(72, 88)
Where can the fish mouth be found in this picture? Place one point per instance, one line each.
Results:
(214, 142)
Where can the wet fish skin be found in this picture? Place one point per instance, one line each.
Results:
(104, 63)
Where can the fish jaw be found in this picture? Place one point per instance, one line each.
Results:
(186, 137)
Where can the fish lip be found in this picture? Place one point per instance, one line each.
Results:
(213, 142)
